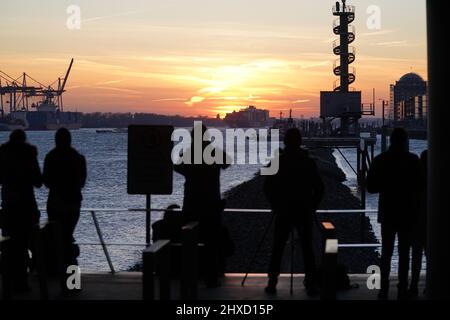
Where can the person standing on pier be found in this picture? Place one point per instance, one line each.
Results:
(294, 193)
(19, 175)
(65, 176)
(203, 203)
(396, 176)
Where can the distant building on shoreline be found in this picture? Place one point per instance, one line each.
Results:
(123, 120)
(250, 117)
(408, 101)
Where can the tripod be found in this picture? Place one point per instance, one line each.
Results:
(258, 249)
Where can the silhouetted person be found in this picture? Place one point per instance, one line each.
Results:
(65, 176)
(19, 175)
(294, 194)
(395, 175)
(419, 234)
(169, 228)
(203, 203)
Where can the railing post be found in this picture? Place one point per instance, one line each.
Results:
(383, 138)
(163, 271)
(358, 166)
(329, 262)
(102, 242)
(148, 281)
(189, 271)
(6, 268)
(156, 260)
(363, 194)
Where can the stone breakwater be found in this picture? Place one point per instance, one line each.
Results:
(247, 229)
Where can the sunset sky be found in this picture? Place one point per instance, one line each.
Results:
(204, 57)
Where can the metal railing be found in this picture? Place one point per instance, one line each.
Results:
(104, 245)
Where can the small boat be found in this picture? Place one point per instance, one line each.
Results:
(117, 130)
(104, 131)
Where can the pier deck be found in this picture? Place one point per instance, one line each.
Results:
(128, 286)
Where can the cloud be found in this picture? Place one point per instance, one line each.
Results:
(402, 43)
(169, 99)
(316, 64)
(194, 100)
(216, 89)
(378, 33)
(301, 101)
(123, 90)
(398, 44)
(110, 16)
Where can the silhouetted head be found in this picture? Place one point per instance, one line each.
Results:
(63, 138)
(169, 211)
(18, 136)
(399, 139)
(293, 138)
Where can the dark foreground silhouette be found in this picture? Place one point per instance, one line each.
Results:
(294, 194)
(65, 175)
(203, 203)
(396, 176)
(19, 175)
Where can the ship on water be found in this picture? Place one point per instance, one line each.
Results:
(35, 107)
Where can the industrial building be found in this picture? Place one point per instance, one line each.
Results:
(408, 105)
(250, 117)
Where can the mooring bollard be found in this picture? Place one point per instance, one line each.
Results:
(329, 262)
(328, 230)
(189, 271)
(156, 261)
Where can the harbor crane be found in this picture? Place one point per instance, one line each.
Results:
(19, 93)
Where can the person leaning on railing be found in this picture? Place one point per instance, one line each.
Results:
(65, 176)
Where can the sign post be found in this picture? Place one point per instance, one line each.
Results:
(150, 167)
(148, 217)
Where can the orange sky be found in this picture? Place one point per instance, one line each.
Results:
(193, 58)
